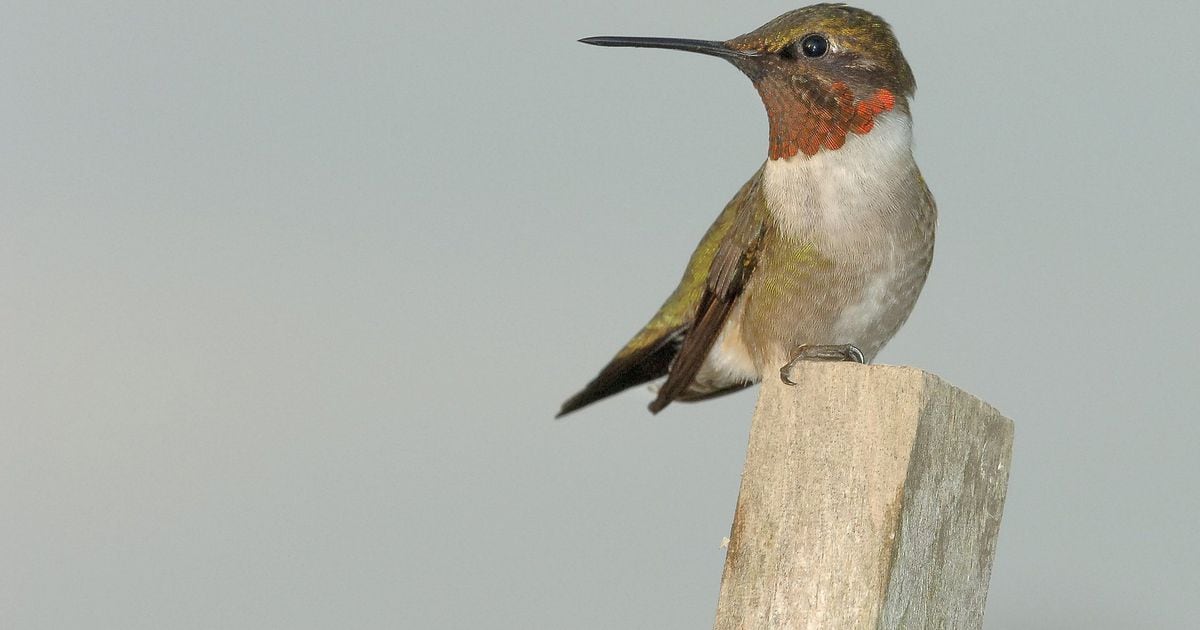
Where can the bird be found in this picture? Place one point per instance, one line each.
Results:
(822, 254)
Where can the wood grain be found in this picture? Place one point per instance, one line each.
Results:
(871, 498)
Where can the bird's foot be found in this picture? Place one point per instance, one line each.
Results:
(842, 352)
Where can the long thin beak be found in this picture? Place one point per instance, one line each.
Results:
(702, 46)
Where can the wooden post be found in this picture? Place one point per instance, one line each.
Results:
(871, 498)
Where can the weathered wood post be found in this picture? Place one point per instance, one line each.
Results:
(871, 498)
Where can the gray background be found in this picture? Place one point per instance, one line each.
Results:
(289, 293)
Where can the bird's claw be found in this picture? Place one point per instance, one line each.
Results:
(806, 352)
(783, 374)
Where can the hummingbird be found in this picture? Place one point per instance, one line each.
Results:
(822, 253)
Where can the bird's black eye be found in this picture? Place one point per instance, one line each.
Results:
(811, 46)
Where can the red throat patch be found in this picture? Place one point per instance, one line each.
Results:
(820, 118)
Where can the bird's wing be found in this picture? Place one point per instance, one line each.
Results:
(647, 357)
(649, 354)
(731, 267)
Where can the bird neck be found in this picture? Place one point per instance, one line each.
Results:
(835, 189)
(808, 115)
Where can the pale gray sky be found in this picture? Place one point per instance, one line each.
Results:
(289, 293)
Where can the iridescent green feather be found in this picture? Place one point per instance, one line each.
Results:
(680, 307)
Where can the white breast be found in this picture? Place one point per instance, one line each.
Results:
(832, 191)
(849, 204)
